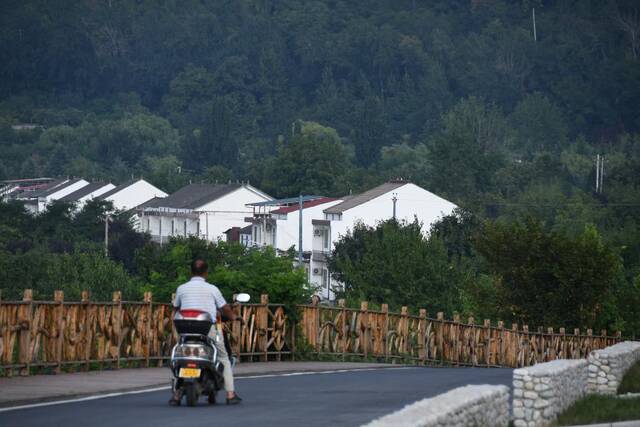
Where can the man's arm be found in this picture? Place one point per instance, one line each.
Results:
(228, 312)
(222, 305)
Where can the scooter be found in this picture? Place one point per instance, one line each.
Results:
(194, 359)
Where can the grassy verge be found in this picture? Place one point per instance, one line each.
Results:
(600, 409)
(631, 381)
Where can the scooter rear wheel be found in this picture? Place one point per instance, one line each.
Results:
(191, 393)
(211, 398)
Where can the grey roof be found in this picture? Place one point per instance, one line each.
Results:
(41, 191)
(358, 199)
(151, 203)
(55, 187)
(117, 189)
(84, 191)
(193, 196)
(287, 201)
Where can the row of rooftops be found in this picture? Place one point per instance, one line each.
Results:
(191, 196)
(50, 186)
(37, 193)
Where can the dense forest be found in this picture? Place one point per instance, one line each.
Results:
(463, 97)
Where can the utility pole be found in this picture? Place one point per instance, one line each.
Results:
(107, 218)
(300, 230)
(394, 199)
(599, 172)
(533, 15)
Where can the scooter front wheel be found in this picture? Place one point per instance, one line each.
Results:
(191, 394)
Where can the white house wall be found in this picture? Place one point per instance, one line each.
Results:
(134, 195)
(228, 211)
(287, 229)
(413, 201)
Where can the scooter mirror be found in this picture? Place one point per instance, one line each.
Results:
(243, 298)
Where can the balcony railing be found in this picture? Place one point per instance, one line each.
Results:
(320, 256)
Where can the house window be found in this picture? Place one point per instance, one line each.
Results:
(325, 279)
(326, 240)
(185, 228)
(333, 217)
(257, 233)
(173, 227)
(148, 225)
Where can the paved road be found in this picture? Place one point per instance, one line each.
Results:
(336, 399)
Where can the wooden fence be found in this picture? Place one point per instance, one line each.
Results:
(421, 339)
(54, 334)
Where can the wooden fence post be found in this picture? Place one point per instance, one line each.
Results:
(551, 345)
(404, 328)
(116, 324)
(25, 317)
(562, 353)
(314, 333)
(384, 308)
(364, 327)
(486, 329)
(473, 358)
(454, 335)
(512, 359)
(88, 332)
(58, 297)
(501, 356)
(262, 320)
(236, 332)
(148, 318)
(342, 329)
(440, 335)
(422, 336)
(527, 348)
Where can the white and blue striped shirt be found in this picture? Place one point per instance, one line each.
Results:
(197, 294)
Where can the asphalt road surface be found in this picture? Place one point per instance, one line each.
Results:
(335, 399)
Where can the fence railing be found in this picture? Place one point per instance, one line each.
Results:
(58, 333)
(381, 334)
(54, 334)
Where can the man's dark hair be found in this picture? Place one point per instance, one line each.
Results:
(199, 267)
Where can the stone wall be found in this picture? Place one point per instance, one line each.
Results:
(608, 366)
(541, 392)
(472, 405)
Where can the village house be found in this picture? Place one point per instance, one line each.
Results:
(326, 220)
(87, 193)
(132, 194)
(37, 200)
(203, 210)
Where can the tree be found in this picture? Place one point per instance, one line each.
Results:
(369, 133)
(232, 267)
(539, 126)
(394, 263)
(469, 150)
(548, 278)
(314, 161)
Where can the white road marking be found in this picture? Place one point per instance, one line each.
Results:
(151, 390)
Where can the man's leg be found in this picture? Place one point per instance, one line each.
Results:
(223, 357)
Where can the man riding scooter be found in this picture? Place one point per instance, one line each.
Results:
(197, 294)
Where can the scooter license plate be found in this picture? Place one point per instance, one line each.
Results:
(189, 373)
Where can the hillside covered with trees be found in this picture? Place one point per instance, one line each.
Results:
(334, 96)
